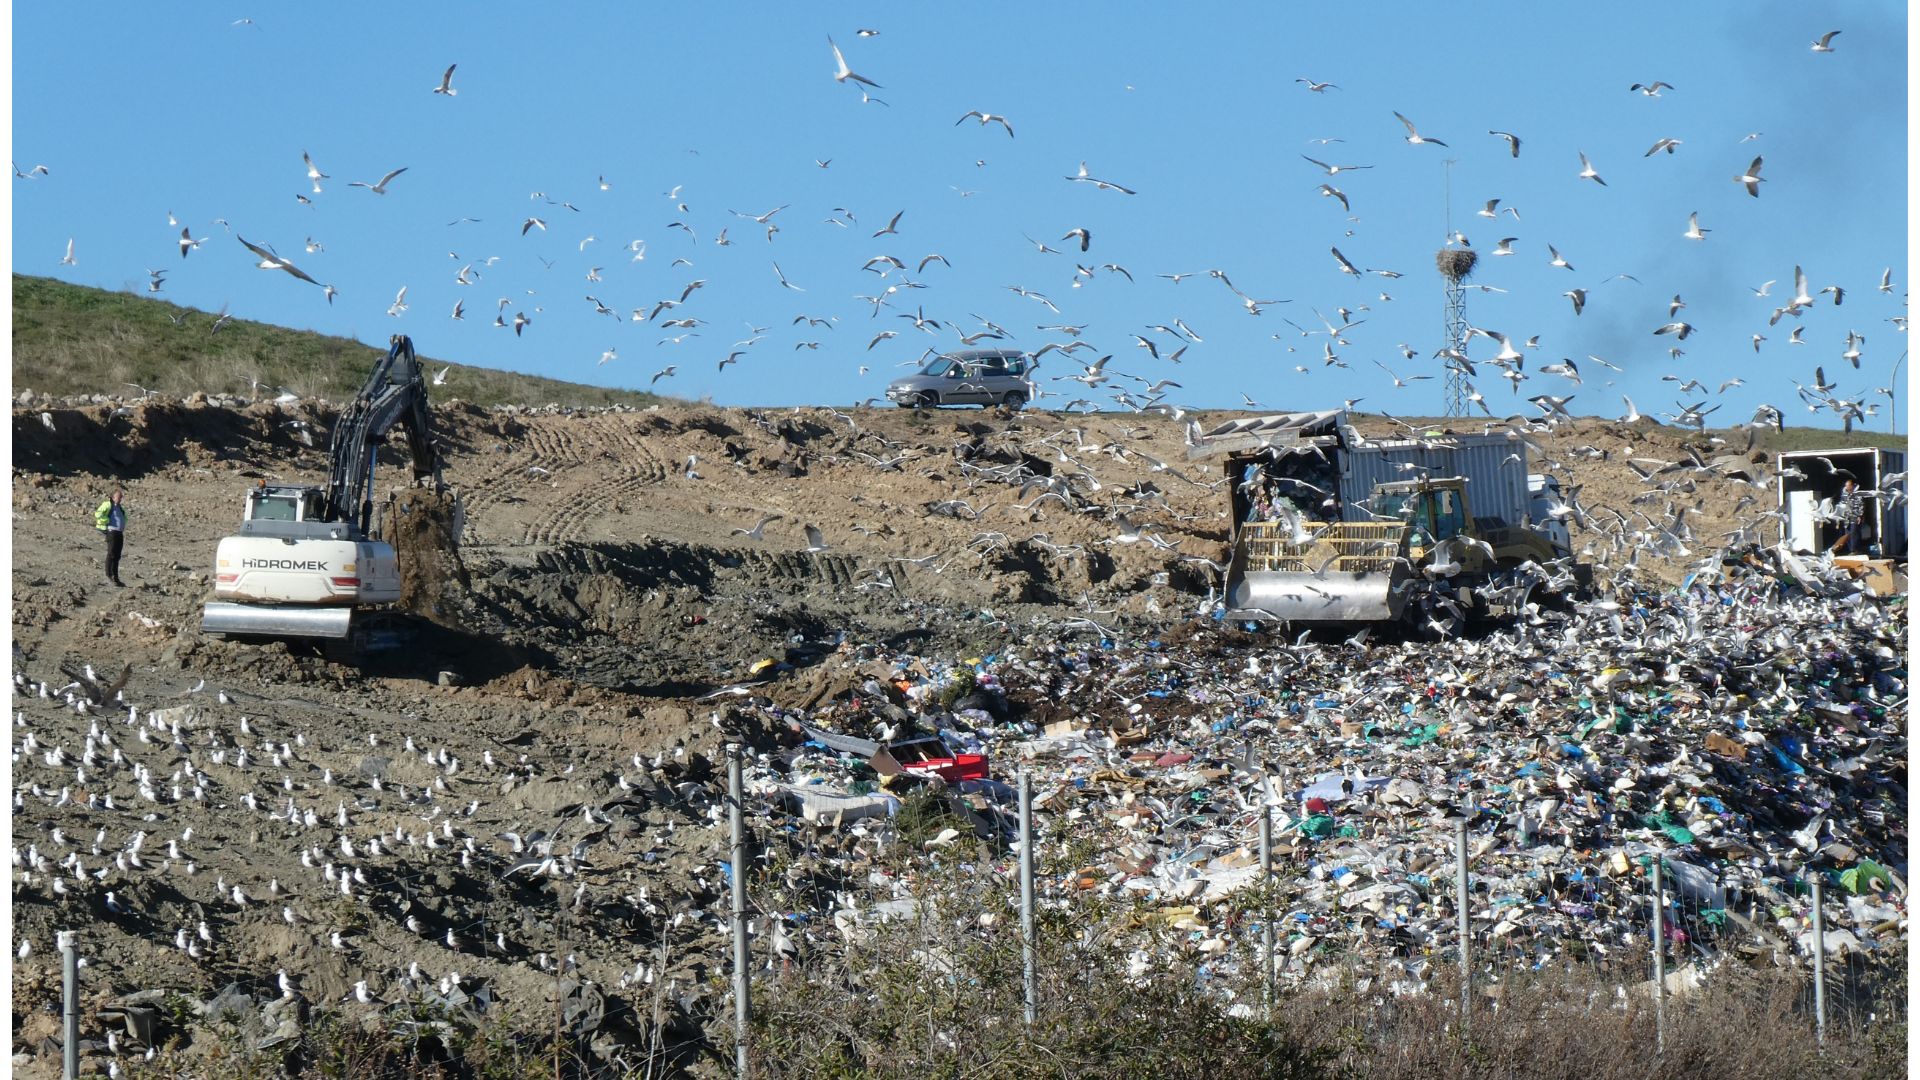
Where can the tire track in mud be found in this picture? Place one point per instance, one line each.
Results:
(638, 468)
(510, 481)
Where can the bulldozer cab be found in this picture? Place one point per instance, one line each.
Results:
(1434, 510)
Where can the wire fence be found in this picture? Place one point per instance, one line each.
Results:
(1266, 916)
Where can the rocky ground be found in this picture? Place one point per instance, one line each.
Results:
(236, 810)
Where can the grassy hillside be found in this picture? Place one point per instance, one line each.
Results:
(70, 339)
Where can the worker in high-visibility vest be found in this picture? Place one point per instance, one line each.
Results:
(111, 519)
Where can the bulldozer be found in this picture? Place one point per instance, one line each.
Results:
(1420, 558)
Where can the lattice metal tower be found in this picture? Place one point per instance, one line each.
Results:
(1455, 265)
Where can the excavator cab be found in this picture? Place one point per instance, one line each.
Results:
(284, 503)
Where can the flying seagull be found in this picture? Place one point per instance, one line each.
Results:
(987, 118)
(1751, 178)
(1415, 138)
(843, 72)
(1335, 170)
(755, 533)
(1694, 231)
(1104, 185)
(269, 260)
(1513, 141)
(1317, 87)
(1651, 89)
(815, 542)
(1587, 171)
(446, 82)
(1825, 42)
(381, 187)
(313, 171)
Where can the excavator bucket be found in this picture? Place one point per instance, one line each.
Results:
(1346, 572)
(276, 621)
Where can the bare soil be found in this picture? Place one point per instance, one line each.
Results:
(601, 590)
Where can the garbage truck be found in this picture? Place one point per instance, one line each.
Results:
(1432, 531)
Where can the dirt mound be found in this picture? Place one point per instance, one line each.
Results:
(424, 528)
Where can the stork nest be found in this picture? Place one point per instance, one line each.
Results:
(1455, 264)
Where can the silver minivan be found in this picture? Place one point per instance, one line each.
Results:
(986, 377)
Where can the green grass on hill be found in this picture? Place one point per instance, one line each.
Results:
(70, 339)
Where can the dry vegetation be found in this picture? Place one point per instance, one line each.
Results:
(71, 340)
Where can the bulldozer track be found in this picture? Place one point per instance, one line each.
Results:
(608, 446)
(635, 467)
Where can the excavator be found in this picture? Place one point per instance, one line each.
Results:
(308, 562)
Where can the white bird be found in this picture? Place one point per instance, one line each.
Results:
(1513, 141)
(1587, 171)
(842, 72)
(313, 171)
(188, 243)
(1824, 43)
(399, 303)
(755, 533)
(379, 188)
(987, 118)
(1695, 232)
(783, 277)
(1557, 258)
(1752, 178)
(1082, 178)
(446, 82)
(67, 259)
(271, 260)
(815, 542)
(663, 373)
(1415, 138)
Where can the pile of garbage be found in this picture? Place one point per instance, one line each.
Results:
(1747, 731)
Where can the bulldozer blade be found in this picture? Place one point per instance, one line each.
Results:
(1291, 596)
(276, 621)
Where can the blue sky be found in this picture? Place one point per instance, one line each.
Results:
(142, 111)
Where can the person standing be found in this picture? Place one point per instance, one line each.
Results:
(111, 519)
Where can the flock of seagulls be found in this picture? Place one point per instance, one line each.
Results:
(1084, 258)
